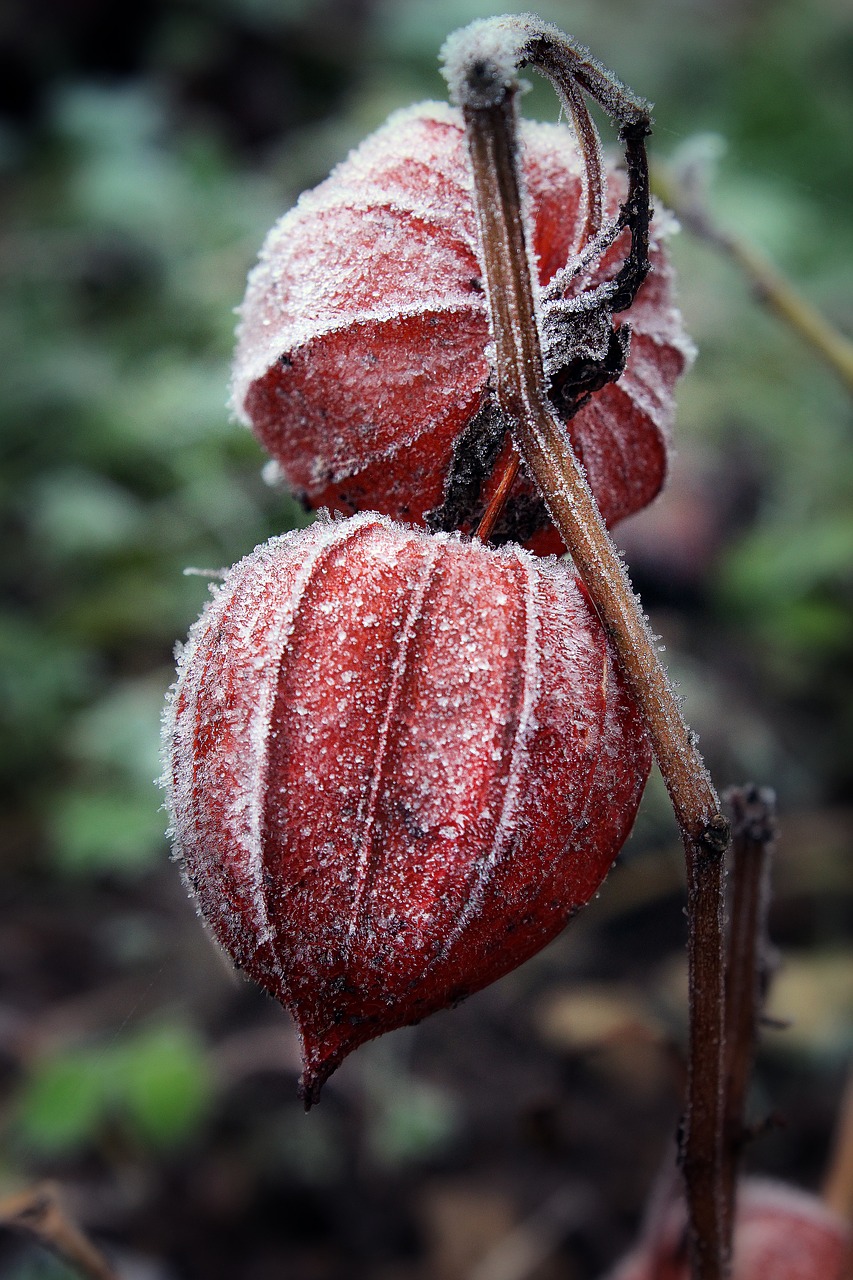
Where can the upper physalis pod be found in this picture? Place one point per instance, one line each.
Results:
(362, 360)
(397, 763)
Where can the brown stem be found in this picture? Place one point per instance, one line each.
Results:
(489, 113)
(593, 171)
(39, 1213)
(570, 68)
(497, 502)
(770, 286)
(838, 1182)
(753, 818)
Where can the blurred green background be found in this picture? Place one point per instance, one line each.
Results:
(143, 155)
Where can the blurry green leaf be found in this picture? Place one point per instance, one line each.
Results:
(120, 733)
(63, 1102)
(156, 1082)
(78, 513)
(787, 561)
(138, 606)
(412, 1125)
(118, 831)
(165, 1085)
(793, 588)
(43, 675)
(171, 404)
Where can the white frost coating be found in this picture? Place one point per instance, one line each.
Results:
(185, 655)
(366, 182)
(491, 49)
(273, 476)
(530, 671)
(398, 671)
(248, 371)
(245, 811)
(327, 536)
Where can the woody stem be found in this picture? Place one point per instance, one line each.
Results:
(490, 123)
(753, 813)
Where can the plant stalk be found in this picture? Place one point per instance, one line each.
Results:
(490, 122)
(753, 813)
(768, 283)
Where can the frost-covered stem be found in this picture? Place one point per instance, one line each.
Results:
(753, 817)
(593, 170)
(487, 98)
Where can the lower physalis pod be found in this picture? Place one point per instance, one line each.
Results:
(397, 763)
(781, 1233)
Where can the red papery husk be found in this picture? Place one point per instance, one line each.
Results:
(363, 346)
(397, 763)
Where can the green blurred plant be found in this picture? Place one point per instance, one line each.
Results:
(155, 1085)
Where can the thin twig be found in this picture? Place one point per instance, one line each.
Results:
(768, 283)
(497, 502)
(753, 819)
(838, 1183)
(594, 192)
(488, 107)
(39, 1213)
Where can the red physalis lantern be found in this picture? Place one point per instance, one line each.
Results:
(781, 1233)
(397, 764)
(363, 360)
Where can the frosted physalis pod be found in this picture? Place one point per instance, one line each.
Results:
(397, 763)
(781, 1233)
(362, 359)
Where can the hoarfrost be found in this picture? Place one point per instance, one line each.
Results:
(384, 795)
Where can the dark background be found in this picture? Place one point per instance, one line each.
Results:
(144, 151)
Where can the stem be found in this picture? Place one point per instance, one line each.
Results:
(838, 1182)
(39, 1213)
(488, 107)
(498, 499)
(545, 448)
(753, 814)
(769, 284)
(593, 172)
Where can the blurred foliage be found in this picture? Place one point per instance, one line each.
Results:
(42, 1268)
(156, 1082)
(144, 153)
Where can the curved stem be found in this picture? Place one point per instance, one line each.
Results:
(770, 286)
(570, 68)
(593, 169)
(486, 92)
